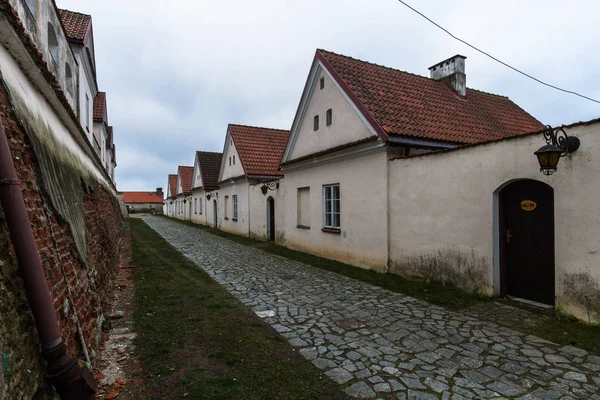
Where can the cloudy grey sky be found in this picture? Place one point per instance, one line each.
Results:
(177, 72)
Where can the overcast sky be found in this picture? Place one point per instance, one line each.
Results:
(177, 72)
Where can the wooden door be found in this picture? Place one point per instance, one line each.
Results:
(527, 245)
(270, 219)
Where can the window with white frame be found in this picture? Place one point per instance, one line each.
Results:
(52, 42)
(200, 205)
(234, 206)
(331, 206)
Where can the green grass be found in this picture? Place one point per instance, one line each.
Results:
(195, 338)
(554, 327)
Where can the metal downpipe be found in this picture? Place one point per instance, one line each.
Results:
(70, 380)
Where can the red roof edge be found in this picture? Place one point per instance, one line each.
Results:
(236, 146)
(367, 114)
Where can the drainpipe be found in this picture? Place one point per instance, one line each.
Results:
(70, 380)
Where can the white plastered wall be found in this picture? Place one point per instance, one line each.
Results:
(239, 188)
(444, 210)
(258, 211)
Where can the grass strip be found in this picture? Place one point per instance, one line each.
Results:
(197, 341)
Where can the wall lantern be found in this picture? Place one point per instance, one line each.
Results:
(558, 144)
(272, 185)
(184, 201)
(208, 196)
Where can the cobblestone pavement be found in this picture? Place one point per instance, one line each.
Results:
(381, 344)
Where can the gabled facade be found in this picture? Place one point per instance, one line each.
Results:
(354, 117)
(250, 184)
(169, 202)
(205, 181)
(183, 193)
(78, 28)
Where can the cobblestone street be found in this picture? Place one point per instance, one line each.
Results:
(381, 344)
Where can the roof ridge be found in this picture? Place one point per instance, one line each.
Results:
(208, 152)
(259, 127)
(405, 72)
(75, 12)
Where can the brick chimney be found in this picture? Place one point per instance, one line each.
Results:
(451, 71)
(159, 191)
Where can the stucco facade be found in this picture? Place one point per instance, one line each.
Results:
(444, 216)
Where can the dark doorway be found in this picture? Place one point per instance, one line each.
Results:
(271, 219)
(527, 241)
(215, 214)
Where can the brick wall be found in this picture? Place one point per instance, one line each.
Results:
(78, 288)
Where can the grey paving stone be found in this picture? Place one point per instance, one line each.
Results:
(360, 390)
(383, 387)
(339, 375)
(391, 336)
(418, 395)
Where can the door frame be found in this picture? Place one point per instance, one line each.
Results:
(215, 217)
(500, 267)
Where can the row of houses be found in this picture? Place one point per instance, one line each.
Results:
(406, 174)
(67, 38)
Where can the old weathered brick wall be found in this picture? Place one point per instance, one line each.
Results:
(78, 286)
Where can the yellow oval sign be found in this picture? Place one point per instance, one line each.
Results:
(528, 205)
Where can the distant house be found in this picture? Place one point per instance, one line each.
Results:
(169, 203)
(183, 194)
(205, 179)
(144, 202)
(247, 202)
(355, 116)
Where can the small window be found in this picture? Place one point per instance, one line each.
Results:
(316, 123)
(331, 206)
(87, 112)
(229, 160)
(69, 78)
(328, 117)
(52, 42)
(32, 5)
(322, 83)
(234, 206)
(200, 205)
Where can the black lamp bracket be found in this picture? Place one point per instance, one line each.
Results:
(559, 138)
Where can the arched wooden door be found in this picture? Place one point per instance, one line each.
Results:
(527, 241)
(271, 219)
(215, 214)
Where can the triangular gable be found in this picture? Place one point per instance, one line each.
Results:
(197, 175)
(236, 168)
(179, 188)
(351, 122)
(172, 185)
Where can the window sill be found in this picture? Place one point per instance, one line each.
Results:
(332, 230)
(302, 227)
(234, 219)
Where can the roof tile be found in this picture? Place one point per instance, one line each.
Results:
(76, 24)
(187, 175)
(172, 184)
(210, 164)
(411, 105)
(100, 106)
(260, 149)
(142, 197)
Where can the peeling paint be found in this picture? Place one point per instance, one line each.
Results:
(582, 292)
(466, 270)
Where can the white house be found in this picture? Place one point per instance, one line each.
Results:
(169, 203)
(250, 189)
(78, 28)
(205, 180)
(183, 193)
(354, 117)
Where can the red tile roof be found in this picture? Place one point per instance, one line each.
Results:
(100, 106)
(210, 165)
(411, 105)
(76, 24)
(260, 149)
(186, 174)
(172, 184)
(142, 197)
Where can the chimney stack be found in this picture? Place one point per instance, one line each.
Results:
(451, 71)
(159, 191)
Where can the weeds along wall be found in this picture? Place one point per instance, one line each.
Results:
(74, 213)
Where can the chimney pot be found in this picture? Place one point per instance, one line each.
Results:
(451, 71)
(159, 191)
